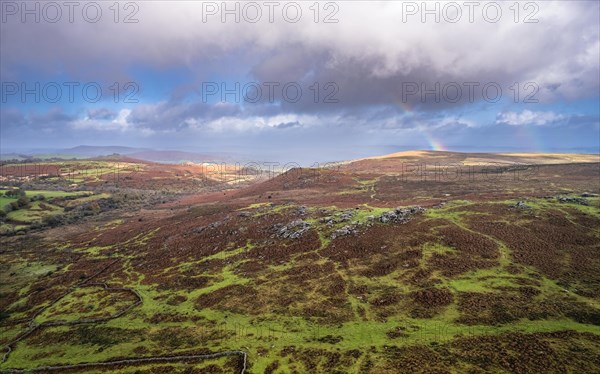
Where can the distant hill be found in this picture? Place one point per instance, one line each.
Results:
(482, 157)
(13, 156)
(171, 156)
(143, 154)
(90, 150)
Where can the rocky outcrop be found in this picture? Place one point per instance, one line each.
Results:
(346, 230)
(292, 230)
(345, 216)
(400, 215)
(573, 200)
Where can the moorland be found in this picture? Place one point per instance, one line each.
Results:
(423, 261)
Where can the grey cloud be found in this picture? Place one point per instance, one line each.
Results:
(369, 66)
(54, 115)
(11, 117)
(101, 113)
(288, 125)
(166, 115)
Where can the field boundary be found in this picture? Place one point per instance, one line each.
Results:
(86, 365)
(140, 360)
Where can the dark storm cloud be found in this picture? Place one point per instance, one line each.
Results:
(355, 75)
(369, 54)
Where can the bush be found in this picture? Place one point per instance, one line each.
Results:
(55, 220)
(15, 193)
(23, 201)
(4, 315)
(7, 208)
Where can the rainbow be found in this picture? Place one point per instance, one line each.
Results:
(405, 107)
(432, 141)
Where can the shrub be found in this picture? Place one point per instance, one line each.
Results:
(4, 315)
(55, 220)
(23, 201)
(15, 193)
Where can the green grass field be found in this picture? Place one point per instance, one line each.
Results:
(50, 194)
(6, 200)
(37, 210)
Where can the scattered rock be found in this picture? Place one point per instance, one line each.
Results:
(213, 225)
(587, 194)
(573, 200)
(293, 230)
(338, 218)
(520, 205)
(346, 230)
(400, 215)
(244, 214)
(346, 216)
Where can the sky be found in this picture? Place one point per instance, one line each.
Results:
(301, 80)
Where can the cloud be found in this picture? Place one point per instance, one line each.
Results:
(369, 67)
(54, 115)
(169, 116)
(528, 117)
(288, 125)
(11, 117)
(101, 113)
(367, 72)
